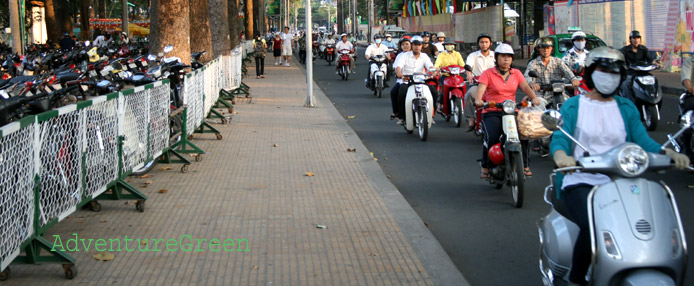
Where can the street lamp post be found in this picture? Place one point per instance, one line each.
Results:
(309, 57)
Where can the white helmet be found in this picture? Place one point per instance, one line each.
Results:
(441, 35)
(578, 36)
(389, 35)
(503, 49)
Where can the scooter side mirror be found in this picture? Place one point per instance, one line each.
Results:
(168, 48)
(468, 68)
(552, 119)
(533, 74)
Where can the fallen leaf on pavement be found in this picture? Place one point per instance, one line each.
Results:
(351, 116)
(165, 168)
(143, 242)
(275, 145)
(389, 176)
(426, 224)
(103, 256)
(309, 174)
(148, 182)
(351, 149)
(102, 221)
(145, 176)
(320, 226)
(254, 267)
(163, 191)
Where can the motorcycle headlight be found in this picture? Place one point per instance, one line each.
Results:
(418, 78)
(647, 79)
(632, 160)
(558, 87)
(611, 246)
(454, 70)
(509, 107)
(4, 94)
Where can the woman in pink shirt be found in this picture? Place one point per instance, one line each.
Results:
(498, 84)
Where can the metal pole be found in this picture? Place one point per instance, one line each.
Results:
(371, 15)
(125, 28)
(15, 27)
(309, 58)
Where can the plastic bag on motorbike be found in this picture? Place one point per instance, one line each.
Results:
(530, 123)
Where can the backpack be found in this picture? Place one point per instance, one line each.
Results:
(259, 50)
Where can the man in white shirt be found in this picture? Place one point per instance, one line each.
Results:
(377, 48)
(346, 45)
(287, 45)
(575, 58)
(479, 61)
(410, 63)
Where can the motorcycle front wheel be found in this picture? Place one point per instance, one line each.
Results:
(517, 179)
(422, 124)
(651, 118)
(458, 112)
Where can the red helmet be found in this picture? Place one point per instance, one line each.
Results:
(495, 154)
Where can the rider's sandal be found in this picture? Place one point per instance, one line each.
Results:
(393, 116)
(527, 172)
(484, 174)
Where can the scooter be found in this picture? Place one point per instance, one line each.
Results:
(419, 105)
(636, 233)
(330, 53)
(377, 74)
(645, 92)
(343, 63)
(454, 88)
(507, 155)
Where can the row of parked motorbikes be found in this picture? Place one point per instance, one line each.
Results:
(46, 79)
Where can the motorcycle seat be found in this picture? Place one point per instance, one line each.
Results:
(558, 204)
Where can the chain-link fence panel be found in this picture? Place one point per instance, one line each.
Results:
(193, 89)
(210, 83)
(225, 73)
(159, 109)
(236, 62)
(101, 146)
(60, 168)
(17, 169)
(134, 118)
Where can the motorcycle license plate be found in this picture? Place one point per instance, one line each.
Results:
(104, 72)
(57, 86)
(144, 64)
(132, 65)
(83, 87)
(92, 73)
(509, 125)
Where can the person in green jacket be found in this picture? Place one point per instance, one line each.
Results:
(599, 121)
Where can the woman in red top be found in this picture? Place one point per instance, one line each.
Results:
(498, 84)
(277, 48)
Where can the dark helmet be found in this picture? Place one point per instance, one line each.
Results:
(607, 58)
(449, 41)
(66, 34)
(425, 34)
(634, 34)
(484, 35)
(377, 36)
(545, 42)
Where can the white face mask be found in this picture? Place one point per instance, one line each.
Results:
(450, 48)
(378, 41)
(580, 45)
(606, 83)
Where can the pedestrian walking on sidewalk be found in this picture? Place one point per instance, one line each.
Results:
(260, 47)
(287, 45)
(277, 48)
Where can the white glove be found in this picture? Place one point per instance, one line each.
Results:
(562, 160)
(681, 160)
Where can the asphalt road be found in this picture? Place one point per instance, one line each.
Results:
(490, 241)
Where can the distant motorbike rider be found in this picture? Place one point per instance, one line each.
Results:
(479, 61)
(448, 57)
(409, 63)
(599, 121)
(346, 45)
(389, 42)
(499, 84)
(440, 40)
(427, 47)
(404, 46)
(687, 103)
(548, 68)
(575, 58)
(377, 48)
(634, 54)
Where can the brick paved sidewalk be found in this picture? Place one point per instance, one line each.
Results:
(252, 185)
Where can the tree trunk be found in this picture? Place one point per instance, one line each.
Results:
(219, 23)
(250, 31)
(102, 9)
(340, 17)
(84, 20)
(234, 23)
(200, 36)
(51, 23)
(62, 16)
(170, 25)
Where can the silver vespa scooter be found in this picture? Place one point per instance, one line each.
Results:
(635, 227)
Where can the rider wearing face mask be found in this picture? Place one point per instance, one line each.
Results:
(575, 58)
(404, 46)
(448, 57)
(377, 48)
(600, 121)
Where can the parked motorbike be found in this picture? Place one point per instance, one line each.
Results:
(419, 105)
(343, 63)
(377, 74)
(195, 60)
(645, 92)
(637, 236)
(453, 91)
(507, 156)
(329, 53)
